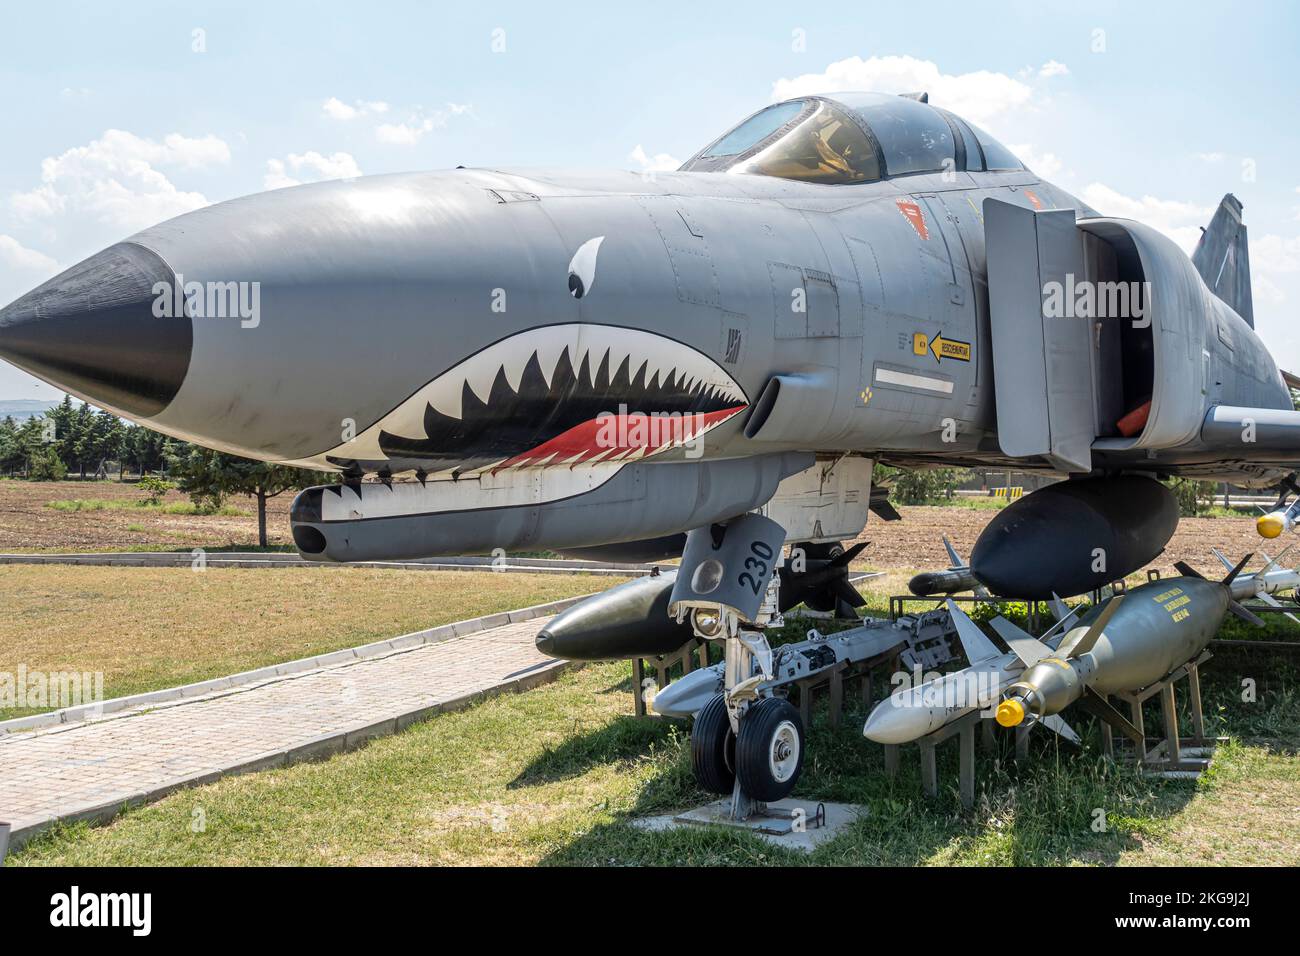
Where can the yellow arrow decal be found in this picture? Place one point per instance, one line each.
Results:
(942, 348)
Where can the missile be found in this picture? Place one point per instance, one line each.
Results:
(1129, 642)
(1074, 536)
(952, 581)
(632, 620)
(912, 712)
(629, 620)
(957, 578)
(793, 662)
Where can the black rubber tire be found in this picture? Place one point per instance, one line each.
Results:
(713, 748)
(758, 728)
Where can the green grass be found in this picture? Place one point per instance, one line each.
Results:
(555, 776)
(169, 508)
(149, 628)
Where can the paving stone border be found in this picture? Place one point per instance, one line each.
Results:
(347, 655)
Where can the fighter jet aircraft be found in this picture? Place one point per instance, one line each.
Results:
(571, 360)
(568, 360)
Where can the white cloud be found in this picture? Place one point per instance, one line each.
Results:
(658, 163)
(980, 96)
(335, 108)
(310, 166)
(1046, 165)
(1180, 221)
(113, 179)
(1053, 68)
(14, 255)
(1274, 255)
(419, 124)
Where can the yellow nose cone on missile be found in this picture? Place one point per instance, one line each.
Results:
(1010, 713)
(1269, 526)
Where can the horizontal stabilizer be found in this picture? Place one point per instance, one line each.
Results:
(977, 646)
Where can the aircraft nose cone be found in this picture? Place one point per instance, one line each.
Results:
(92, 331)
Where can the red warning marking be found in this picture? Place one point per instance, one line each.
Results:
(1038, 203)
(912, 213)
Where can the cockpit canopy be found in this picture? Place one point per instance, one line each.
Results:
(852, 138)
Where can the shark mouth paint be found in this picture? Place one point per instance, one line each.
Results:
(560, 395)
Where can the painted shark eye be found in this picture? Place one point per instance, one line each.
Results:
(582, 270)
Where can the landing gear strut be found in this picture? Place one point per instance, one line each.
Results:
(746, 741)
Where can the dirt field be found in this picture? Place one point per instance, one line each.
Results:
(916, 541)
(28, 523)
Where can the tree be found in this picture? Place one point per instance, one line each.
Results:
(208, 476)
(11, 452)
(921, 485)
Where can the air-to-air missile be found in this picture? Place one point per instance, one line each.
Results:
(1126, 643)
(1280, 518)
(631, 620)
(958, 577)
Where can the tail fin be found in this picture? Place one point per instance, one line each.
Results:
(1223, 260)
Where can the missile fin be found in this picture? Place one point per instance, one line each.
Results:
(978, 648)
(1097, 705)
(1029, 649)
(1054, 723)
(1085, 643)
(1274, 562)
(1232, 575)
(1187, 570)
(1245, 614)
(1227, 565)
(953, 556)
(1274, 602)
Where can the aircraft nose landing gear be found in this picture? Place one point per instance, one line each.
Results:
(746, 741)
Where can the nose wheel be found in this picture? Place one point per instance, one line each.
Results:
(713, 748)
(769, 749)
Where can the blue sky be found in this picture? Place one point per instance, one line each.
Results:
(115, 116)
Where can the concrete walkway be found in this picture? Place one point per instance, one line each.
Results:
(92, 767)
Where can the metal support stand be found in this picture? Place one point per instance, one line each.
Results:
(964, 729)
(661, 666)
(1173, 754)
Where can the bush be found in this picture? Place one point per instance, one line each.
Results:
(155, 488)
(1190, 494)
(47, 466)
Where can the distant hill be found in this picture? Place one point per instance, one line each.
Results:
(21, 408)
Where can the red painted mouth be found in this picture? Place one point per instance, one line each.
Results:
(619, 437)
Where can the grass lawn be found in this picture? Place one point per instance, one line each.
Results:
(147, 628)
(553, 776)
